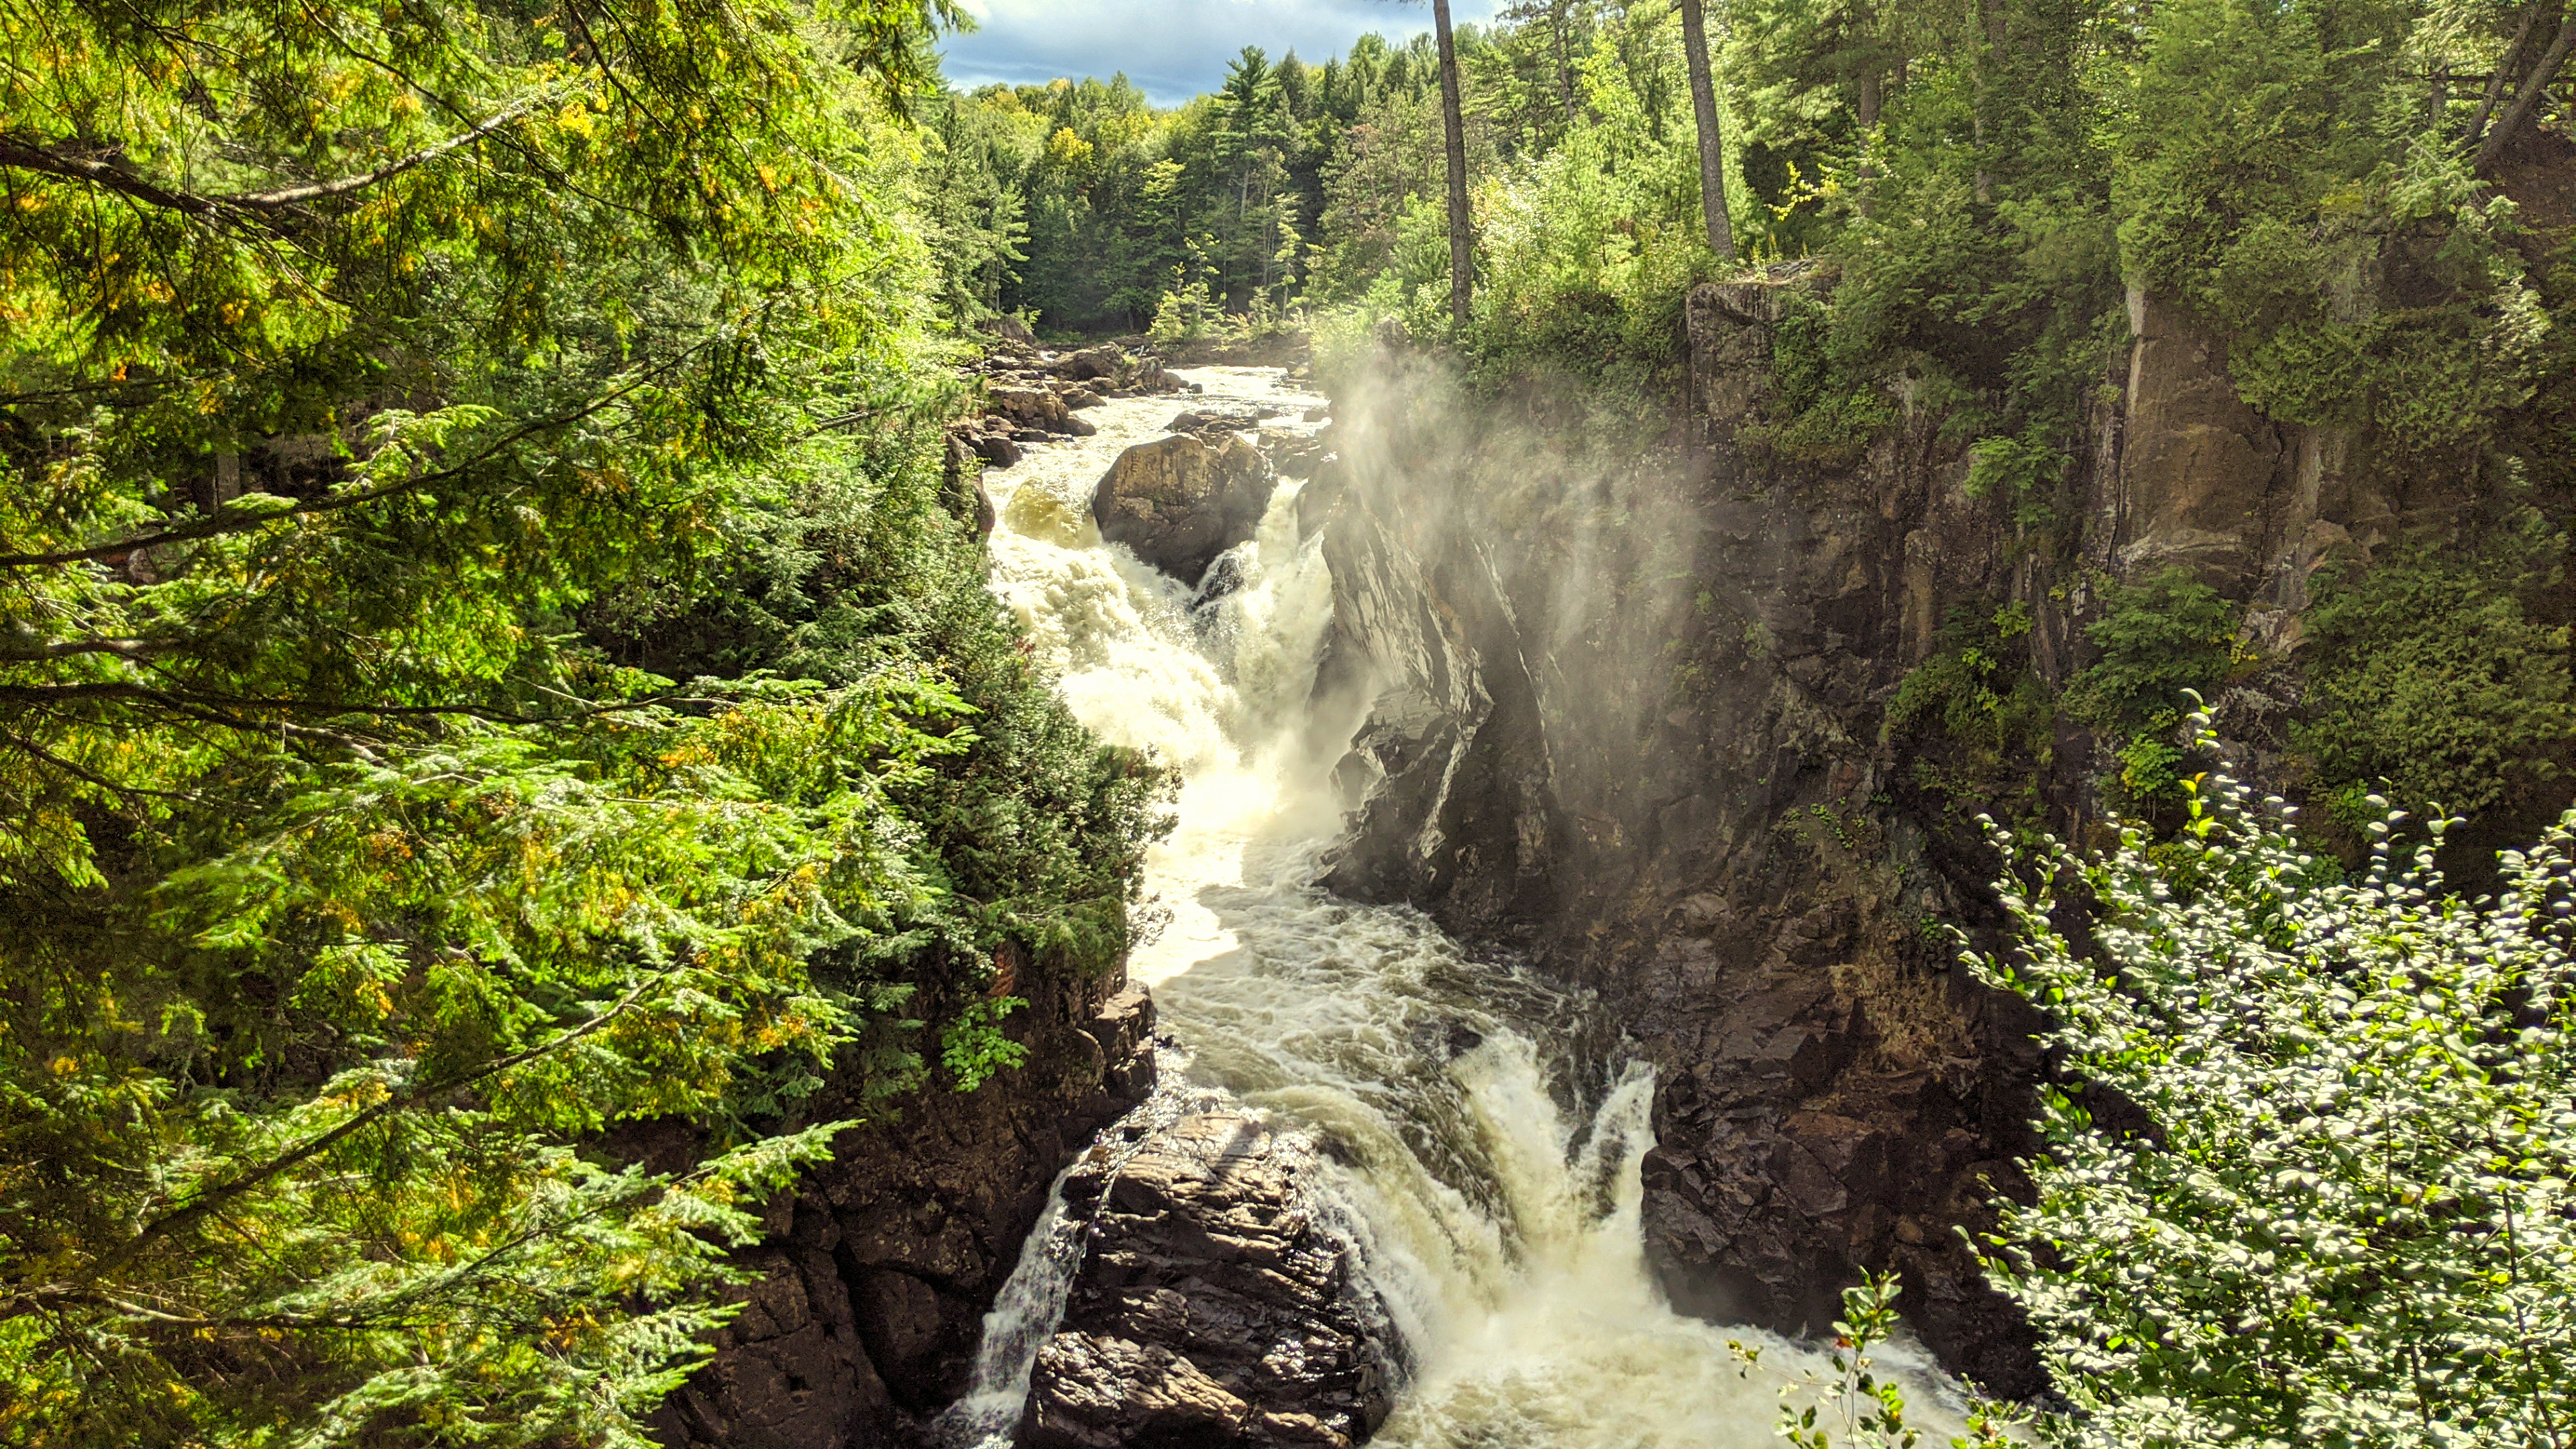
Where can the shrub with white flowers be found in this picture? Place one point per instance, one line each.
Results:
(2348, 1221)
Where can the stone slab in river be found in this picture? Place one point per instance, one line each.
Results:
(1211, 1308)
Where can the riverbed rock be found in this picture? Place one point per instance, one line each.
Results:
(1296, 454)
(1029, 407)
(875, 1269)
(1182, 500)
(1213, 1308)
(1221, 417)
(1105, 360)
(1036, 513)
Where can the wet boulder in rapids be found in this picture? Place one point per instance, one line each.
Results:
(1182, 500)
(1211, 1309)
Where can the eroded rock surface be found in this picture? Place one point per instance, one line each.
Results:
(877, 1269)
(1212, 1308)
(1182, 500)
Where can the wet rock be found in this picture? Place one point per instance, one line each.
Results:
(994, 448)
(1146, 375)
(1296, 455)
(1029, 407)
(1220, 417)
(1037, 513)
(1181, 501)
(1225, 576)
(1211, 1309)
(877, 1267)
(1081, 397)
(1105, 360)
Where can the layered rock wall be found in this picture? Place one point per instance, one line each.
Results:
(1628, 717)
(1212, 1307)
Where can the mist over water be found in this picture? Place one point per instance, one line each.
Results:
(1481, 1133)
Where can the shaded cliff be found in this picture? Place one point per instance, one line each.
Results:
(878, 1268)
(1645, 713)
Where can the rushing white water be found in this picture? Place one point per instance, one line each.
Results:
(1482, 1144)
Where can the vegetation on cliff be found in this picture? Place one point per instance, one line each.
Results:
(2309, 1156)
(492, 684)
(2344, 1216)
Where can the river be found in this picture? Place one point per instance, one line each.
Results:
(1484, 1130)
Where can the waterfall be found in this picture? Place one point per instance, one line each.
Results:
(1483, 1133)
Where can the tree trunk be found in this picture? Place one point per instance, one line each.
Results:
(1560, 22)
(2503, 76)
(1712, 141)
(1988, 18)
(2533, 90)
(1462, 258)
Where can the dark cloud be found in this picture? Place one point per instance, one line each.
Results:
(1174, 49)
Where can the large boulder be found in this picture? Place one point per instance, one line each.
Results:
(1181, 501)
(1013, 330)
(1092, 363)
(1211, 1309)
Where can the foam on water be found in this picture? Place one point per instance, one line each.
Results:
(1481, 1143)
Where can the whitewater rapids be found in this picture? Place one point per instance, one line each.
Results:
(1482, 1138)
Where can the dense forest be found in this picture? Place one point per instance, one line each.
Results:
(497, 657)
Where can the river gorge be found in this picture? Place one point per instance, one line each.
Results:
(1537, 998)
(1480, 1128)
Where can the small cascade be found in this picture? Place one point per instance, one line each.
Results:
(1032, 1301)
(1481, 1132)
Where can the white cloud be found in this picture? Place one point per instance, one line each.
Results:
(1174, 49)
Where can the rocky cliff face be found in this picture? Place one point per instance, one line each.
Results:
(878, 1268)
(1628, 715)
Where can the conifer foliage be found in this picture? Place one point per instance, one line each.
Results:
(375, 383)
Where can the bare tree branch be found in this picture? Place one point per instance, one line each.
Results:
(109, 168)
(2534, 88)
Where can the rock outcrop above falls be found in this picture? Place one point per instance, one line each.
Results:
(877, 1269)
(1212, 1308)
(1182, 500)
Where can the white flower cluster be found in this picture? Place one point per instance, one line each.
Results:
(2309, 1185)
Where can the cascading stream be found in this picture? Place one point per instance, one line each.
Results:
(1483, 1146)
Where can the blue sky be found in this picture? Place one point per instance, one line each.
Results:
(1174, 49)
